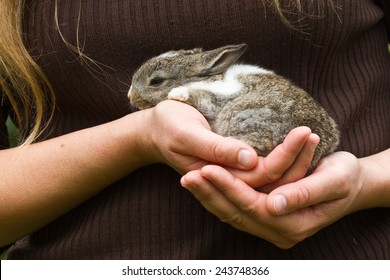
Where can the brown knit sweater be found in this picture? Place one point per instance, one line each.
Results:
(339, 56)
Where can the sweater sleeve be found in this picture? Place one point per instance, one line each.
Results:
(385, 5)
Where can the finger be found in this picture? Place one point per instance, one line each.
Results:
(235, 190)
(304, 160)
(217, 203)
(285, 154)
(299, 168)
(314, 189)
(271, 168)
(210, 197)
(221, 150)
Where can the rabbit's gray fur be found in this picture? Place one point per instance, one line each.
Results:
(245, 102)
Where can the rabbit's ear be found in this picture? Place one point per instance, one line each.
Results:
(218, 60)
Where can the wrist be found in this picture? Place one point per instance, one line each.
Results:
(376, 181)
(139, 139)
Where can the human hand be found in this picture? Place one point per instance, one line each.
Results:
(289, 213)
(178, 135)
(287, 163)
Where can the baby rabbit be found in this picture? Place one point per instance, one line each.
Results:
(241, 101)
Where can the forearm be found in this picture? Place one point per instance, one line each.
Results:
(376, 174)
(42, 181)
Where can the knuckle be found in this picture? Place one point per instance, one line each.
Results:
(235, 219)
(251, 208)
(303, 195)
(206, 196)
(219, 151)
(270, 175)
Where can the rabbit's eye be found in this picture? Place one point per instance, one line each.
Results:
(156, 81)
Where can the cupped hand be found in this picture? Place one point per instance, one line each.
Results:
(178, 135)
(288, 162)
(289, 213)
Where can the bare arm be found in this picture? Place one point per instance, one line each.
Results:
(42, 181)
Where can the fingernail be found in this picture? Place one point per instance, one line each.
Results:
(280, 203)
(245, 158)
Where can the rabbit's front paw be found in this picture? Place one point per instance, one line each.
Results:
(180, 94)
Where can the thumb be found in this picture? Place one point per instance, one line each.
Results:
(309, 191)
(294, 196)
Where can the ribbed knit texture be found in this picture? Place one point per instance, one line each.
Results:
(340, 57)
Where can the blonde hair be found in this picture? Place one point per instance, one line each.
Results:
(22, 81)
(26, 86)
